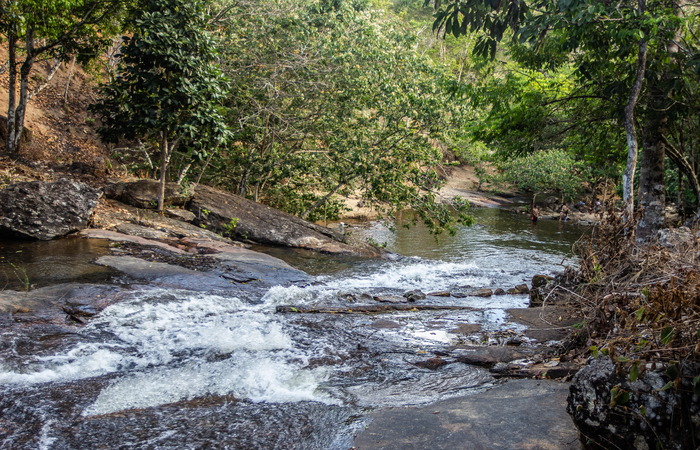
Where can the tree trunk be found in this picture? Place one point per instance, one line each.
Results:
(12, 94)
(52, 72)
(24, 72)
(163, 169)
(204, 167)
(70, 77)
(321, 201)
(652, 188)
(630, 130)
(679, 194)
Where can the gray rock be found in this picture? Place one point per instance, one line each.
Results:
(180, 214)
(121, 237)
(522, 289)
(260, 223)
(383, 323)
(499, 291)
(140, 231)
(670, 418)
(483, 292)
(540, 280)
(519, 414)
(414, 295)
(390, 299)
(440, 294)
(44, 211)
(144, 193)
(672, 237)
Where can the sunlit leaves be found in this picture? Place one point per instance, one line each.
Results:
(544, 171)
(166, 81)
(329, 97)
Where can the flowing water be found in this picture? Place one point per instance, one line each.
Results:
(164, 368)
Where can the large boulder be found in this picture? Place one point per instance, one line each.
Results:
(44, 211)
(144, 193)
(217, 210)
(610, 411)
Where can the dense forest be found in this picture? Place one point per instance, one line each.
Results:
(297, 103)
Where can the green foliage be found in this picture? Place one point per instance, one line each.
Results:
(667, 334)
(167, 87)
(21, 274)
(329, 98)
(541, 172)
(230, 227)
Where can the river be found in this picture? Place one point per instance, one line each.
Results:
(167, 368)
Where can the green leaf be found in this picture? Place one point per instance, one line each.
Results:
(640, 314)
(622, 359)
(623, 398)
(667, 335)
(672, 372)
(634, 372)
(668, 385)
(594, 351)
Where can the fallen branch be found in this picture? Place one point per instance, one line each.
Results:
(366, 309)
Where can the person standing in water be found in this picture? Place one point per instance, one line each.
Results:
(535, 214)
(564, 214)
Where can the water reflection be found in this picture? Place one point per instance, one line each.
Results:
(51, 262)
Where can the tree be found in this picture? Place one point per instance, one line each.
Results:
(167, 89)
(328, 103)
(615, 47)
(543, 172)
(48, 29)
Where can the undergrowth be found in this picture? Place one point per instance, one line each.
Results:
(640, 300)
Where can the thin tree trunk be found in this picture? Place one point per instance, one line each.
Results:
(605, 194)
(70, 77)
(652, 185)
(321, 201)
(206, 163)
(12, 94)
(630, 130)
(243, 184)
(24, 72)
(52, 72)
(183, 173)
(163, 169)
(679, 194)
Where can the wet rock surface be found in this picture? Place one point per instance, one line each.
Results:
(500, 418)
(413, 354)
(44, 211)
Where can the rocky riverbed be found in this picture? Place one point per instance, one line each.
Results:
(313, 359)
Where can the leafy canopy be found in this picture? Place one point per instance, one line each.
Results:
(167, 82)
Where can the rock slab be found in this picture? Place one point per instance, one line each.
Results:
(144, 193)
(215, 210)
(44, 211)
(520, 414)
